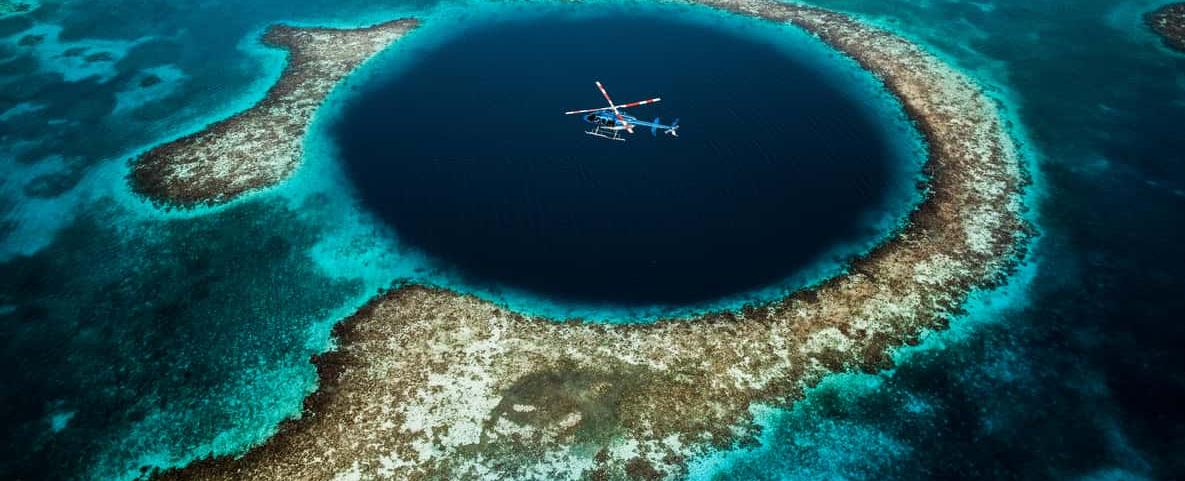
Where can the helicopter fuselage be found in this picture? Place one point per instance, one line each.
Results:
(607, 120)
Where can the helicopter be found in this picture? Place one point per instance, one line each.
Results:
(609, 122)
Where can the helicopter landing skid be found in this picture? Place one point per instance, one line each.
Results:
(606, 134)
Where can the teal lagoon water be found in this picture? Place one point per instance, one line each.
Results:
(137, 338)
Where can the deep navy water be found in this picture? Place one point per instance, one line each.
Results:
(467, 155)
(133, 337)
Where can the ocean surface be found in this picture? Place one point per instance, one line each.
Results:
(134, 337)
(465, 153)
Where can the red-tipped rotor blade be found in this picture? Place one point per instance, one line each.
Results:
(631, 104)
(640, 102)
(585, 111)
(621, 119)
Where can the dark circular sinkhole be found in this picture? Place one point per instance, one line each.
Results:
(467, 155)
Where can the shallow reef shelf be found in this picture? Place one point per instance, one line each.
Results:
(262, 145)
(427, 383)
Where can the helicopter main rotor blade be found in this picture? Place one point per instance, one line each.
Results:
(586, 111)
(640, 102)
(631, 104)
(620, 119)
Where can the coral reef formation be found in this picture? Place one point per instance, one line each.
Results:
(432, 384)
(262, 145)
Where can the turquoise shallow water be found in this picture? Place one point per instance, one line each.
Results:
(135, 337)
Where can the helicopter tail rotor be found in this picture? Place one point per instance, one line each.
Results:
(674, 128)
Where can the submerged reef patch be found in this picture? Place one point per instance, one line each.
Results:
(14, 7)
(262, 145)
(431, 384)
(1169, 22)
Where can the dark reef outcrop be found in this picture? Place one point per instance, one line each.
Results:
(431, 384)
(1169, 22)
